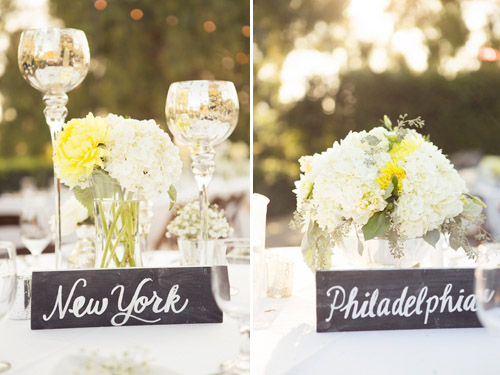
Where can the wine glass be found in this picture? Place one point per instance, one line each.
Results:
(231, 290)
(487, 277)
(202, 114)
(54, 61)
(35, 230)
(7, 283)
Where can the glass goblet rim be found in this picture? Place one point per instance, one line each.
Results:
(29, 31)
(181, 83)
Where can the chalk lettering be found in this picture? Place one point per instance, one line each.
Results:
(406, 305)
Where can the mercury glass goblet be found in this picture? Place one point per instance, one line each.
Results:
(202, 114)
(231, 290)
(7, 283)
(54, 61)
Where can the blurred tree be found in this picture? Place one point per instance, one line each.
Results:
(135, 55)
(374, 76)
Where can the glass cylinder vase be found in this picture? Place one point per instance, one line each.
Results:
(377, 253)
(83, 254)
(192, 252)
(117, 223)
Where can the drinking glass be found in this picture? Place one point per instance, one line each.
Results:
(231, 290)
(7, 283)
(36, 234)
(487, 277)
(54, 61)
(202, 114)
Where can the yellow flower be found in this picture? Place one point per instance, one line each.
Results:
(80, 148)
(401, 150)
(388, 172)
(398, 153)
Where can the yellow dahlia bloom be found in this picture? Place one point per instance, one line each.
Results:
(80, 148)
(388, 172)
(406, 147)
(398, 153)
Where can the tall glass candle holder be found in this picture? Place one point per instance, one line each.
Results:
(202, 114)
(54, 61)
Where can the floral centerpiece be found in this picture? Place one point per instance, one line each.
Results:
(390, 183)
(186, 225)
(110, 161)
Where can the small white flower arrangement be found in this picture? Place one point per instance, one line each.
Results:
(390, 183)
(186, 225)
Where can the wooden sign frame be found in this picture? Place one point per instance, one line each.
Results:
(118, 297)
(365, 300)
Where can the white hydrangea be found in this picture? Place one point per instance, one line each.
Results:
(432, 192)
(341, 185)
(343, 180)
(142, 156)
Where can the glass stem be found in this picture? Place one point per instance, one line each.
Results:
(55, 115)
(204, 223)
(244, 343)
(203, 166)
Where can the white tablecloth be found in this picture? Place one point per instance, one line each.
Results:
(285, 342)
(168, 349)
(12, 204)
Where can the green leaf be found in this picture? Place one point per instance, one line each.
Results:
(455, 241)
(432, 237)
(372, 140)
(360, 247)
(376, 226)
(392, 188)
(315, 247)
(472, 211)
(84, 196)
(395, 182)
(172, 193)
(389, 190)
(476, 200)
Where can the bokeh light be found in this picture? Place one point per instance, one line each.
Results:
(100, 4)
(209, 26)
(245, 30)
(172, 20)
(242, 58)
(136, 14)
(488, 54)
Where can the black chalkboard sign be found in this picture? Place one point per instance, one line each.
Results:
(366, 300)
(118, 297)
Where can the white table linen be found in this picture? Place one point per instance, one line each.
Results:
(168, 349)
(284, 341)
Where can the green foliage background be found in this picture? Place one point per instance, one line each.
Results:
(461, 112)
(132, 64)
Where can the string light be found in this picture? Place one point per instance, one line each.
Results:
(245, 30)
